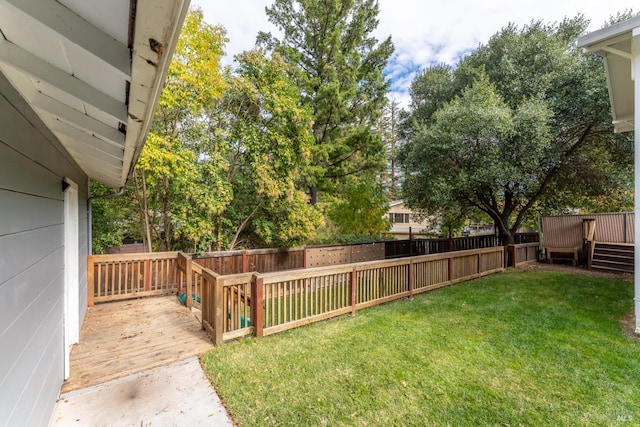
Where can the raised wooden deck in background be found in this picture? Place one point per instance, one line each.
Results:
(121, 338)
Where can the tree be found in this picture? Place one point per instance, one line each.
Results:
(178, 194)
(109, 219)
(389, 129)
(362, 209)
(521, 123)
(268, 137)
(338, 67)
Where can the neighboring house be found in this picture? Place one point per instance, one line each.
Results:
(402, 219)
(619, 45)
(79, 80)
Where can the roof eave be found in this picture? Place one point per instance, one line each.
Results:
(152, 51)
(613, 44)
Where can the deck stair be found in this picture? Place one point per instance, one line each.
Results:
(617, 257)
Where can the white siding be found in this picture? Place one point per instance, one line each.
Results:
(32, 167)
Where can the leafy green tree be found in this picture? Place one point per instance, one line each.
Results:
(109, 218)
(338, 67)
(521, 123)
(268, 135)
(362, 209)
(178, 193)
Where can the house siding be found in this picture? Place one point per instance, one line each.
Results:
(32, 166)
(402, 229)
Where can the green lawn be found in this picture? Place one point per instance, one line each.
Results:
(532, 348)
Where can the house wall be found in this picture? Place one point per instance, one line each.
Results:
(403, 228)
(32, 166)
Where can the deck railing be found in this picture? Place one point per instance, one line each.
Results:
(121, 276)
(266, 303)
(289, 299)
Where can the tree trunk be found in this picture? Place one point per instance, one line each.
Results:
(505, 236)
(145, 215)
(241, 227)
(313, 196)
(166, 216)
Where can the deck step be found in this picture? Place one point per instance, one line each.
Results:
(613, 257)
(612, 268)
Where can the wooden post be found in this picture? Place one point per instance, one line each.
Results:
(216, 289)
(410, 242)
(181, 265)
(479, 263)
(91, 285)
(410, 278)
(147, 275)
(304, 259)
(450, 268)
(189, 274)
(354, 291)
(256, 305)
(245, 262)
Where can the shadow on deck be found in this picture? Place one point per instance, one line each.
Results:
(122, 338)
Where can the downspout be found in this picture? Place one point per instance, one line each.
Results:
(89, 219)
(635, 71)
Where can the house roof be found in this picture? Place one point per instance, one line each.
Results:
(93, 71)
(614, 43)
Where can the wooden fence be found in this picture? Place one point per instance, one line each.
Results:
(266, 303)
(264, 260)
(403, 248)
(566, 231)
(289, 299)
(271, 260)
(320, 256)
(523, 253)
(121, 276)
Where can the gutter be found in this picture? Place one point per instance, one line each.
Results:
(89, 218)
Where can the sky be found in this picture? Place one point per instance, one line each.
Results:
(424, 32)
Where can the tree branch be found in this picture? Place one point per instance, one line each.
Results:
(552, 174)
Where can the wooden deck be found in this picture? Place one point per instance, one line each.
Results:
(121, 338)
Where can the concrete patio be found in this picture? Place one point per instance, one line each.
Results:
(136, 364)
(174, 395)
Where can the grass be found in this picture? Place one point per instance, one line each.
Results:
(517, 348)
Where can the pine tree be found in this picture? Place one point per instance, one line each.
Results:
(338, 66)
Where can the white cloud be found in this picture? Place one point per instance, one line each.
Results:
(424, 32)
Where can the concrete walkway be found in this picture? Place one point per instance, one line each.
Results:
(173, 395)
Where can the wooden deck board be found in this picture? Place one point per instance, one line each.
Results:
(121, 338)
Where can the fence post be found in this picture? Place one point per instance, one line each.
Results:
(189, 275)
(256, 305)
(450, 268)
(625, 216)
(245, 262)
(304, 258)
(410, 242)
(479, 263)
(91, 284)
(147, 275)
(215, 289)
(504, 258)
(410, 278)
(354, 286)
